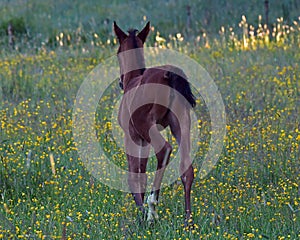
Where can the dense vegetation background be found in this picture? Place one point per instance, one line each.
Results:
(251, 50)
(43, 21)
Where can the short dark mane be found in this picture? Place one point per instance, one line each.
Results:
(132, 31)
(132, 34)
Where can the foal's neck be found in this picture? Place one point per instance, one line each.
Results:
(132, 65)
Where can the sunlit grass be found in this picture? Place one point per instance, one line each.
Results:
(252, 193)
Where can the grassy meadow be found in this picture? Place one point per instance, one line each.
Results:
(253, 192)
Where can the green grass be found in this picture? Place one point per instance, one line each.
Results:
(252, 193)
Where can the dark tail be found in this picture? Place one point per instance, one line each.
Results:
(180, 83)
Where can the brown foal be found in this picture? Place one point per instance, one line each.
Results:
(145, 111)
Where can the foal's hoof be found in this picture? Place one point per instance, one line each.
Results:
(141, 217)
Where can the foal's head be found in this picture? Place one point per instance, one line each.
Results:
(131, 40)
(130, 52)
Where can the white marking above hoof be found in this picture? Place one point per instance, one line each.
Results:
(152, 202)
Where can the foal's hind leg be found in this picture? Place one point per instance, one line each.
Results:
(182, 135)
(162, 151)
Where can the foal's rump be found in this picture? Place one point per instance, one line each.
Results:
(175, 78)
(178, 81)
(144, 106)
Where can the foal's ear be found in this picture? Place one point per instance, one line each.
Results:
(119, 33)
(144, 33)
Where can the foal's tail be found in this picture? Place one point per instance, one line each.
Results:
(180, 83)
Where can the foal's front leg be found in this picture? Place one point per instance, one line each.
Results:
(137, 178)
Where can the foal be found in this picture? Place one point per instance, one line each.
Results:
(142, 115)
